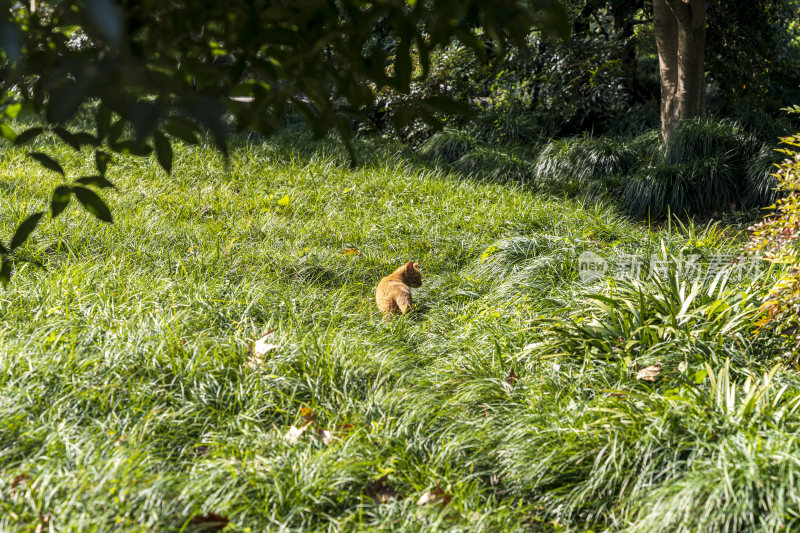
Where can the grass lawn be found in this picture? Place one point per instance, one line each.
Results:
(129, 399)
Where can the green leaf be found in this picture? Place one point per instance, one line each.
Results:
(47, 162)
(556, 21)
(700, 376)
(24, 230)
(75, 140)
(131, 148)
(19, 110)
(447, 105)
(102, 160)
(163, 151)
(180, 130)
(7, 133)
(5, 272)
(402, 66)
(27, 135)
(13, 110)
(403, 115)
(60, 200)
(103, 121)
(93, 203)
(96, 181)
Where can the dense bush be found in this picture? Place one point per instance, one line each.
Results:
(776, 237)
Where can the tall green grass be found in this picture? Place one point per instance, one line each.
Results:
(129, 399)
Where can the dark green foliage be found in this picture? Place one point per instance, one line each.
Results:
(702, 138)
(699, 187)
(708, 166)
(448, 145)
(752, 56)
(508, 125)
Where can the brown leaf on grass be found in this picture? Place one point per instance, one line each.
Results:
(649, 373)
(18, 481)
(512, 378)
(380, 490)
(343, 430)
(325, 436)
(436, 495)
(208, 522)
(351, 251)
(307, 414)
(510, 381)
(295, 432)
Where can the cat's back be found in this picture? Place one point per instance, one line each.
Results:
(388, 289)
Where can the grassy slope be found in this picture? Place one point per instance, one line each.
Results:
(126, 401)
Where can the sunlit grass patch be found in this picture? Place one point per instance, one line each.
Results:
(130, 399)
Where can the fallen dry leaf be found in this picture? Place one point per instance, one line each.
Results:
(261, 347)
(379, 490)
(295, 432)
(209, 522)
(308, 414)
(351, 251)
(649, 373)
(512, 378)
(325, 436)
(342, 430)
(436, 495)
(20, 479)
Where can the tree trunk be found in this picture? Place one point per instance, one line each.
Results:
(680, 38)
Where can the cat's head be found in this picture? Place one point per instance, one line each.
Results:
(411, 274)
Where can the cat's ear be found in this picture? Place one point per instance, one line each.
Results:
(416, 266)
(410, 265)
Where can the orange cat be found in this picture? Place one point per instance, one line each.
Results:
(393, 293)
